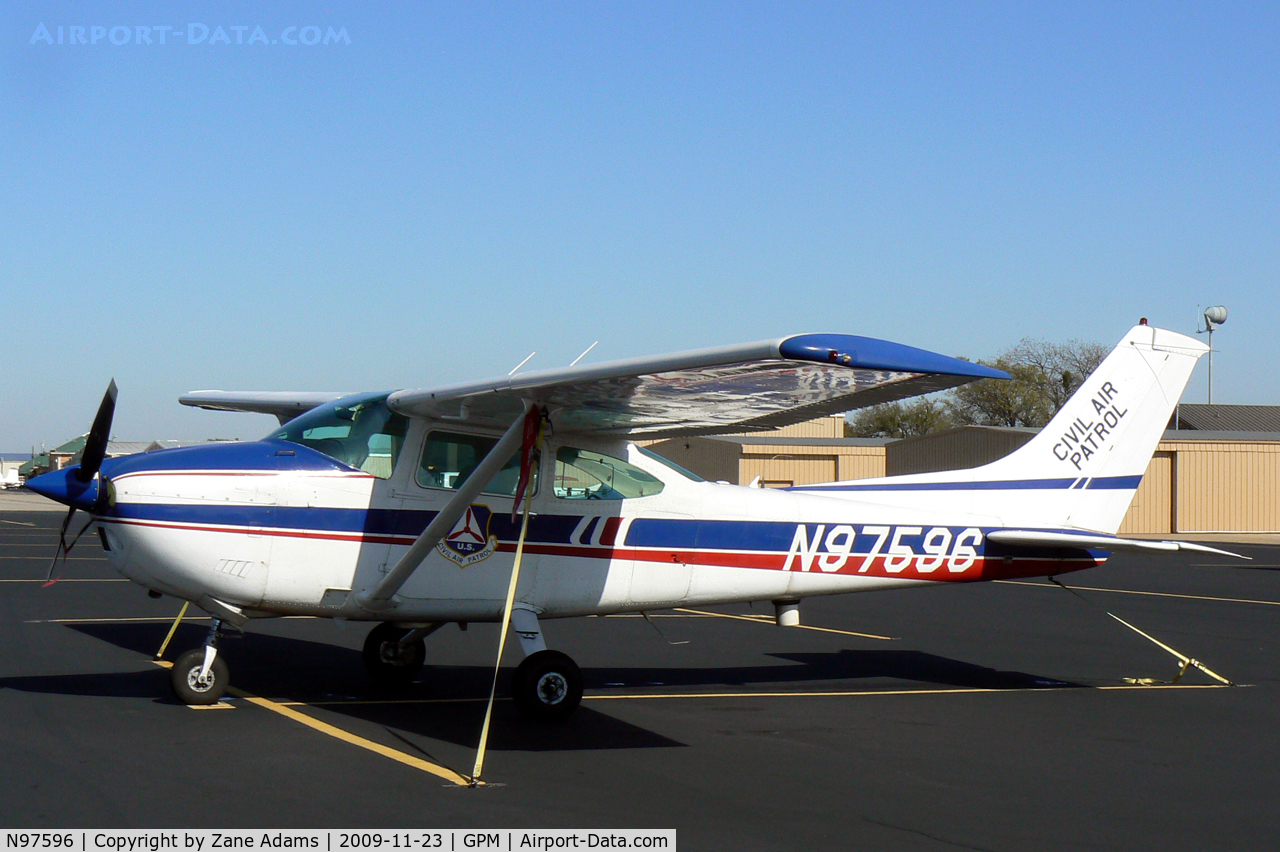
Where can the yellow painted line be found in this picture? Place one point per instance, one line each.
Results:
(1169, 686)
(605, 696)
(17, 523)
(1137, 592)
(1232, 565)
(161, 619)
(343, 702)
(337, 733)
(874, 693)
(73, 580)
(352, 739)
(623, 696)
(764, 619)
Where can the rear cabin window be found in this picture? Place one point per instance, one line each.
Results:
(448, 458)
(588, 475)
(666, 462)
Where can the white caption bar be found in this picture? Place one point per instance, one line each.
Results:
(358, 840)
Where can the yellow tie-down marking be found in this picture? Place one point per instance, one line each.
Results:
(337, 733)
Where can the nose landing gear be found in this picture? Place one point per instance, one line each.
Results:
(200, 676)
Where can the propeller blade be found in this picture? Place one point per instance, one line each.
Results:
(95, 446)
(62, 550)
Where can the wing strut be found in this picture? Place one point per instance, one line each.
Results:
(380, 598)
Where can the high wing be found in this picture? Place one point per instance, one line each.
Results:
(741, 388)
(285, 405)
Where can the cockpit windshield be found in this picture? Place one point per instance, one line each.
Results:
(360, 431)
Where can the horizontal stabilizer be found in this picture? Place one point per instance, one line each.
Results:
(1039, 538)
(284, 405)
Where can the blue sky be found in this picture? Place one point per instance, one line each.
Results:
(464, 183)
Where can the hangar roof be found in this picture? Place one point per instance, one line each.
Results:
(1219, 435)
(1227, 418)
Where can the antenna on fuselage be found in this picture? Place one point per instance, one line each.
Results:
(522, 363)
(646, 617)
(584, 353)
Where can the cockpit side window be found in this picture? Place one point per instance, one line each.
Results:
(589, 475)
(359, 431)
(449, 458)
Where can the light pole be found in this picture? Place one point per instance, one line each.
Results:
(1214, 315)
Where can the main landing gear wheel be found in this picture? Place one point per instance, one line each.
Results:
(190, 687)
(387, 660)
(547, 686)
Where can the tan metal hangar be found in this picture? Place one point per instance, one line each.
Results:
(1198, 481)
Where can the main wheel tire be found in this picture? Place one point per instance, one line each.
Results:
(186, 682)
(386, 660)
(547, 686)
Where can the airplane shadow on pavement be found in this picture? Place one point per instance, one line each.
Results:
(446, 702)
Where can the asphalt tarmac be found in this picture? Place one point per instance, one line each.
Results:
(994, 717)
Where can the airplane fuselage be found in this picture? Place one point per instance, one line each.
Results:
(277, 528)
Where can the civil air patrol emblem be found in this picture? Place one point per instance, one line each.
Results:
(469, 541)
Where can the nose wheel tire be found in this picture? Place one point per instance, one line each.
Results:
(189, 687)
(387, 660)
(547, 686)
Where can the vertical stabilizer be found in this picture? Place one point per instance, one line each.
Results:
(1096, 449)
(1081, 471)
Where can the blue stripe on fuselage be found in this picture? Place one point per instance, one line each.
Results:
(1101, 483)
(766, 536)
(405, 523)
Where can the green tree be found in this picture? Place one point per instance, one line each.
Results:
(1020, 401)
(1045, 375)
(920, 416)
(1063, 367)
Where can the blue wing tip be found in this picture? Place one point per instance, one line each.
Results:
(868, 353)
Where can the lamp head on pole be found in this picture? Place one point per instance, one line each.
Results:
(1214, 315)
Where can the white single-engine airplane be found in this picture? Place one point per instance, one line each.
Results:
(403, 508)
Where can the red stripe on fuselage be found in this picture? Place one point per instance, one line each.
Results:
(983, 568)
